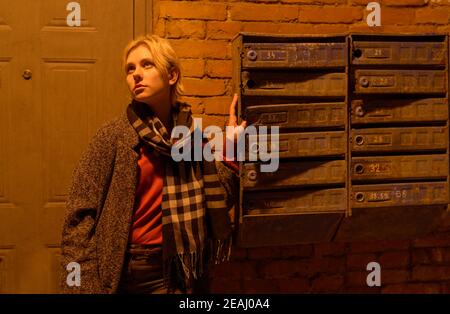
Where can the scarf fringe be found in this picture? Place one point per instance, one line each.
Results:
(220, 250)
(190, 266)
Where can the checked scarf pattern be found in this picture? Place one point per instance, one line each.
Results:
(196, 226)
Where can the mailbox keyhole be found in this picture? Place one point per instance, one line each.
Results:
(251, 83)
(251, 175)
(359, 197)
(254, 148)
(359, 140)
(359, 111)
(359, 168)
(251, 55)
(357, 53)
(364, 82)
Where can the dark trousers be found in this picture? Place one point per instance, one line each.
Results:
(143, 271)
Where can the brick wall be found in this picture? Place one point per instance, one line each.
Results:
(200, 32)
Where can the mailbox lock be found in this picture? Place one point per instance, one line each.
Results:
(359, 197)
(254, 148)
(250, 83)
(251, 55)
(359, 111)
(27, 74)
(251, 175)
(357, 53)
(359, 168)
(359, 139)
(364, 81)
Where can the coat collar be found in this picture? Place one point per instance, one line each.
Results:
(130, 138)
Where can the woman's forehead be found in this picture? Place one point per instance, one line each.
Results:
(138, 53)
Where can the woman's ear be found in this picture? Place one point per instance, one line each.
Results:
(173, 76)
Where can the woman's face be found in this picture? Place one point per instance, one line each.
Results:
(145, 82)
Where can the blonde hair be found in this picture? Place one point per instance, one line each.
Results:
(164, 58)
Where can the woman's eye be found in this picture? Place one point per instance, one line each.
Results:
(130, 69)
(148, 64)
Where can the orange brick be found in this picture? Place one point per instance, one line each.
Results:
(262, 12)
(444, 223)
(360, 261)
(356, 279)
(360, 2)
(432, 16)
(234, 270)
(430, 255)
(440, 2)
(264, 252)
(204, 87)
(295, 28)
(193, 67)
(396, 16)
(286, 269)
(260, 27)
(401, 3)
(193, 10)
(436, 240)
(223, 285)
(431, 273)
(389, 276)
(213, 120)
(363, 289)
(222, 30)
(310, 14)
(410, 28)
(238, 253)
(213, 49)
(260, 286)
(379, 246)
(330, 249)
(412, 288)
(330, 28)
(327, 265)
(445, 286)
(195, 102)
(363, 27)
(332, 283)
(189, 29)
(297, 251)
(219, 68)
(394, 259)
(444, 29)
(160, 28)
(219, 105)
(315, 1)
(293, 285)
(392, 2)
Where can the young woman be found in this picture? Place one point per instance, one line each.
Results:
(136, 220)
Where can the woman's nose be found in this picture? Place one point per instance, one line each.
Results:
(137, 75)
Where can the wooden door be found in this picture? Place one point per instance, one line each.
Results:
(58, 84)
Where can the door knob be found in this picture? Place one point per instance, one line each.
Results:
(27, 74)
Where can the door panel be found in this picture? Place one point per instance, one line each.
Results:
(76, 84)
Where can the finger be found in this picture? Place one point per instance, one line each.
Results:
(233, 118)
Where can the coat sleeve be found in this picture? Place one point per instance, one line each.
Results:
(230, 181)
(90, 183)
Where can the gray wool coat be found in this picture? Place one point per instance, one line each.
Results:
(100, 205)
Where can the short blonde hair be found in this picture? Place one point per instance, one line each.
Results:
(164, 58)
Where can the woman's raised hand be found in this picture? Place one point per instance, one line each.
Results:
(232, 120)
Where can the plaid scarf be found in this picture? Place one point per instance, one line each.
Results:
(196, 226)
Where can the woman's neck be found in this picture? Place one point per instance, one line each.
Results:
(164, 114)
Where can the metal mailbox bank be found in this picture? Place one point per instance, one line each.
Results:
(363, 136)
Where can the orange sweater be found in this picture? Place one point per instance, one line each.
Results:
(147, 216)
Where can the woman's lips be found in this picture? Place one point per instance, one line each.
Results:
(138, 86)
